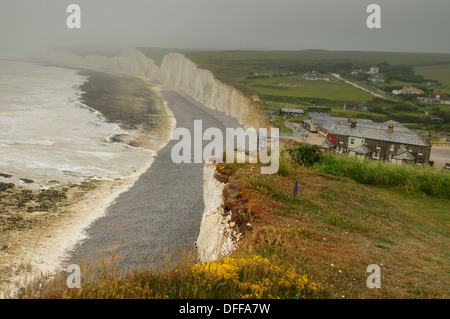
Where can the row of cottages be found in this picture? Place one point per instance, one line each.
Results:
(408, 90)
(435, 98)
(390, 141)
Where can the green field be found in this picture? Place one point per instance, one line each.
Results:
(259, 59)
(332, 90)
(439, 73)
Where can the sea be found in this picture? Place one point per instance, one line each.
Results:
(47, 135)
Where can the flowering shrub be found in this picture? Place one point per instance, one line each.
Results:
(254, 277)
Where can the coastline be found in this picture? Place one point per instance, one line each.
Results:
(39, 247)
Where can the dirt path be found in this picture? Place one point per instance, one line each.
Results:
(359, 87)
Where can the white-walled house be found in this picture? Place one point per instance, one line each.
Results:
(408, 90)
(373, 70)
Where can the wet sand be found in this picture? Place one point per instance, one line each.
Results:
(130, 102)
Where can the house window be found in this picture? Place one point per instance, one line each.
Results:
(419, 161)
(392, 147)
(376, 155)
(378, 145)
(410, 148)
(421, 151)
(391, 156)
(341, 140)
(352, 141)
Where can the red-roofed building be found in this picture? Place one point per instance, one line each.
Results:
(408, 90)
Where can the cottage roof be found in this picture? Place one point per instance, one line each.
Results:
(377, 131)
(362, 149)
(327, 121)
(411, 89)
(291, 110)
(327, 144)
(367, 129)
(404, 156)
(315, 107)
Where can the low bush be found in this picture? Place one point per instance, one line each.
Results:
(305, 155)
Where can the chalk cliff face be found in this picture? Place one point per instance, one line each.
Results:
(178, 72)
(216, 238)
(181, 73)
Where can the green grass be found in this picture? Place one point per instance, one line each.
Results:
(310, 90)
(440, 73)
(237, 68)
(408, 179)
(279, 122)
(264, 59)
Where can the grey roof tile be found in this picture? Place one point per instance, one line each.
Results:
(367, 129)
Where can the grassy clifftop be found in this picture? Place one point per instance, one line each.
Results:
(317, 243)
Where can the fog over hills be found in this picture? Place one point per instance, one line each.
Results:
(28, 27)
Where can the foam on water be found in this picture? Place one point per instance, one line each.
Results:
(47, 134)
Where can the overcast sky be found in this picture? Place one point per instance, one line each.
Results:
(28, 26)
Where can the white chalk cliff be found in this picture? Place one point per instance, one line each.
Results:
(178, 72)
(216, 238)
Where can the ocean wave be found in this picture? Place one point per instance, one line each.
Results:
(46, 130)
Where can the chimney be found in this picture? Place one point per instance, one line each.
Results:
(353, 123)
(390, 128)
(429, 138)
